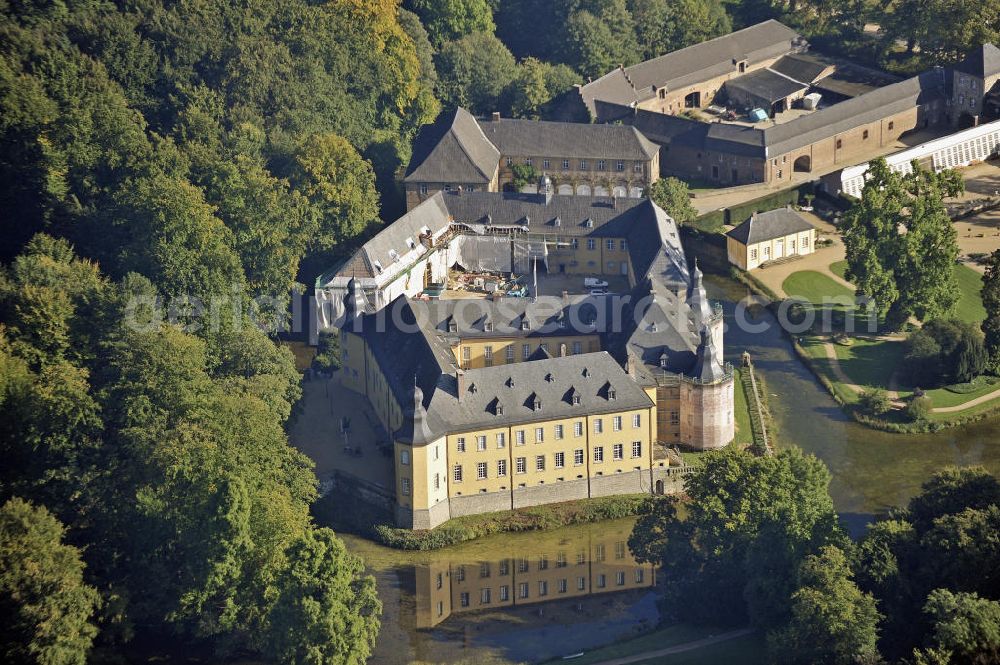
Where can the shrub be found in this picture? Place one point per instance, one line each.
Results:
(919, 408)
(874, 402)
(945, 351)
(328, 352)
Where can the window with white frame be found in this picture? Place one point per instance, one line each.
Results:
(460, 444)
(501, 468)
(591, 244)
(405, 486)
(560, 460)
(539, 462)
(598, 425)
(510, 353)
(539, 434)
(578, 457)
(599, 453)
(480, 442)
(578, 428)
(519, 437)
(610, 244)
(457, 473)
(616, 423)
(558, 431)
(501, 439)
(619, 165)
(617, 451)
(520, 465)
(404, 457)
(481, 470)
(637, 449)
(636, 420)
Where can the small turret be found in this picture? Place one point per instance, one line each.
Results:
(545, 189)
(415, 429)
(708, 365)
(701, 309)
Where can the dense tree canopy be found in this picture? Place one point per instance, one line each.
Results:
(749, 523)
(991, 301)
(901, 245)
(674, 196)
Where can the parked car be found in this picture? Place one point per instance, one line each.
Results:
(594, 282)
(599, 292)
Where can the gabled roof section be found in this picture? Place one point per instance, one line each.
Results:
(453, 149)
(869, 107)
(567, 139)
(769, 225)
(707, 60)
(982, 62)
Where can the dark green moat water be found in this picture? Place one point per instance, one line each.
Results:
(583, 589)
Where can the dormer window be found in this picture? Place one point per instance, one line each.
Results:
(510, 382)
(537, 406)
(452, 327)
(663, 361)
(612, 393)
(410, 243)
(586, 373)
(473, 389)
(394, 255)
(499, 409)
(426, 230)
(378, 267)
(556, 222)
(576, 400)
(588, 223)
(488, 326)
(549, 378)
(525, 325)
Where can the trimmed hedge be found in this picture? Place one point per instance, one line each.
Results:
(713, 222)
(537, 518)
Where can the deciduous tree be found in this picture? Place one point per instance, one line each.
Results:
(45, 605)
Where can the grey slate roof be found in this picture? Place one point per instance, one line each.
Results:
(982, 62)
(800, 67)
(769, 225)
(472, 318)
(764, 84)
(690, 65)
(453, 149)
(517, 385)
(657, 325)
(860, 110)
(567, 139)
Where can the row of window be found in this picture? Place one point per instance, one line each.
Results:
(558, 431)
(509, 352)
(791, 248)
(524, 588)
(558, 460)
(524, 566)
(583, 165)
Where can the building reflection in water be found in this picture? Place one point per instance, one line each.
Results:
(599, 564)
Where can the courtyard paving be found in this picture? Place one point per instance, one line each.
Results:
(316, 431)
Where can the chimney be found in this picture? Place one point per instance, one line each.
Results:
(458, 190)
(496, 116)
(614, 202)
(630, 365)
(460, 380)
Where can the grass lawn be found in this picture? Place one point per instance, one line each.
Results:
(970, 283)
(744, 431)
(815, 287)
(870, 362)
(970, 304)
(748, 649)
(813, 346)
